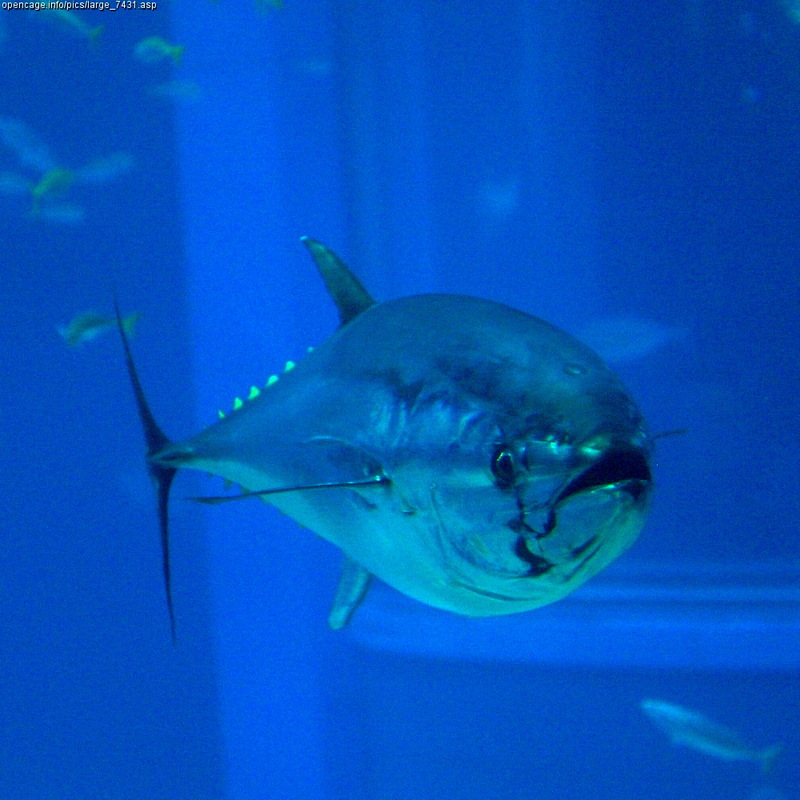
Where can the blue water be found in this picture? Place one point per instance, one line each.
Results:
(591, 163)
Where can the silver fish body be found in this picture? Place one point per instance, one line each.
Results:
(493, 462)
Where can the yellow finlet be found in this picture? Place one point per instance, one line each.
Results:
(256, 392)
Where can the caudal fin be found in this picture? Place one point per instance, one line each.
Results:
(160, 475)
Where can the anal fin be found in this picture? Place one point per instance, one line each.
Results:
(352, 589)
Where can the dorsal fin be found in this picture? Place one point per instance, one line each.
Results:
(350, 296)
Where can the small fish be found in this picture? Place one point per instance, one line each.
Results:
(792, 8)
(178, 90)
(25, 144)
(105, 169)
(499, 200)
(154, 49)
(90, 325)
(60, 213)
(696, 731)
(53, 183)
(622, 340)
(70, 22)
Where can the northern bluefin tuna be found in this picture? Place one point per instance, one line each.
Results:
(470, 455)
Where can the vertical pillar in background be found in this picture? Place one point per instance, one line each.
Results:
(258, 170)
(385, 136)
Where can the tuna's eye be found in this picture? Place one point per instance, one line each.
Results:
(503, 467)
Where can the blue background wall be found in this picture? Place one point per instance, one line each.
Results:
(581, 161)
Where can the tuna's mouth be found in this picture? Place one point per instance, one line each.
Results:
(626, 468)
(622, 469)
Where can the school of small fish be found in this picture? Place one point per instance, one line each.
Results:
(37, 184)
(46, 187)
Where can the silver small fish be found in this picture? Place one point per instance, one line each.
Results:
(154, 49)
(623, 340)
(104, 169)
(59, 213)
(698, 732)
(792, 8)
(71, 23)
(26, 144)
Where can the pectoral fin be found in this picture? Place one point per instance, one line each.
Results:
(352, 589)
